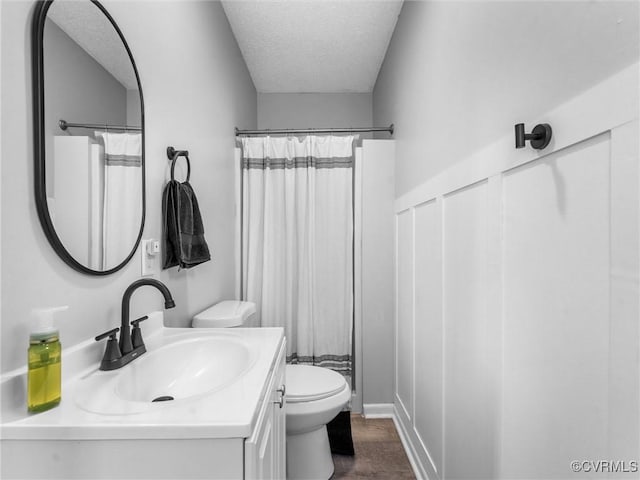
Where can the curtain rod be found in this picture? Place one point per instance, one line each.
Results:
(63, 124)
(277, 131)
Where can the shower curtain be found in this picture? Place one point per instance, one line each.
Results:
(122, 195)
(297, 243)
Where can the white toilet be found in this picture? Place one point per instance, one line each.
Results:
(314, 397)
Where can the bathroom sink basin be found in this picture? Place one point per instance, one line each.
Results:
(177, 367)
(184, 369)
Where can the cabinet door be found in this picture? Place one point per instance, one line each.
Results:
(259, 449)
(279, 421)
(265, 450)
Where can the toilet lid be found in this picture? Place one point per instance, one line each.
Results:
(306, 383)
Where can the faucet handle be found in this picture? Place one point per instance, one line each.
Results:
(111, 333)
(136, 322)
(112, 353)
(136, 333)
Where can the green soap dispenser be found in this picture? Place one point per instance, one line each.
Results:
(44, 376)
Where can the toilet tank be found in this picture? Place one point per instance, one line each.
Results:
(228, 313)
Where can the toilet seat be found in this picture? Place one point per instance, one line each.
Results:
(306, 383)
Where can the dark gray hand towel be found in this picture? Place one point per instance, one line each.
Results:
(184, 243)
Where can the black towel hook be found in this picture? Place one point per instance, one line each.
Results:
(173, 155)
(539, 137)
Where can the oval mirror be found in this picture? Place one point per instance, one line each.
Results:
(88, 136)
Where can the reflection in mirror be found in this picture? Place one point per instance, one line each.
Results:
(94, 166)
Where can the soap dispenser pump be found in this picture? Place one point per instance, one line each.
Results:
(44, 376)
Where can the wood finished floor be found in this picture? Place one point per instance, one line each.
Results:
(379, 452)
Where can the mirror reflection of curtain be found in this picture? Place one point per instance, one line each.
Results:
(96, 206)
(122, 196)
(297, 243)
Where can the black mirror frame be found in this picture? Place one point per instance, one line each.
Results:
(37, 65)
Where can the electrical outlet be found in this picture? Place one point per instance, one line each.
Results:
(153, 247)
(148, 251)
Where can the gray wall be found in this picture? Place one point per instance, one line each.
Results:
(193, 105)
(314, 110)
(458, 75)
(378, 274)
(133, 107)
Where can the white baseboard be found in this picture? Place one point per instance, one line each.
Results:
(418, 471)
(377, 410)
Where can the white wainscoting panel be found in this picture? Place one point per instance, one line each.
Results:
(518, 302)
(405, 331)
(429, 332)
(556, 306)
(623, 387)
(467, 414)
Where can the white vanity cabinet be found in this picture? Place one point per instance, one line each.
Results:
(234, 433)
(265, 450)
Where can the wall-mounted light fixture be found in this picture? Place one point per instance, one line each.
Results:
(540, 136)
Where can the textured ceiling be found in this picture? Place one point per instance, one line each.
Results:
(306, 46)
(89, 28)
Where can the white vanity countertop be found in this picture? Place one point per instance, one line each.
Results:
(230, 412)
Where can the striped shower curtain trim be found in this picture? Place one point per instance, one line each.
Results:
(297, 162)
(116, 160)
(339, 363)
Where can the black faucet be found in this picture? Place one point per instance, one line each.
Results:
(125, 333)
(118, 354)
